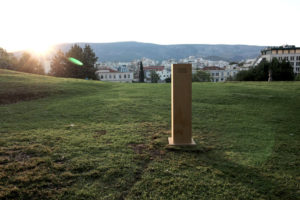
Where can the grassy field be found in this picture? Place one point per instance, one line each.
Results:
(77, 139)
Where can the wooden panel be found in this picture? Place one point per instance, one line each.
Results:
(181, 105)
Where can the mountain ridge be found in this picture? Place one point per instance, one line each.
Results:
(128, 51)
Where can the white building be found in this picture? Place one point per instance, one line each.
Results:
(289, 53)
(219, 74)
(107, 74)
(148, 69)
(164, 74)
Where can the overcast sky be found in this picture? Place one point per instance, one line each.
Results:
(36, 24)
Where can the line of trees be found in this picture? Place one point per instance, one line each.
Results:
(268, 71)
(26, 63)
(62, 67)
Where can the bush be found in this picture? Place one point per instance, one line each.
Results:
(201, 76)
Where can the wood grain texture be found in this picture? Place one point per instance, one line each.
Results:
(181, 98)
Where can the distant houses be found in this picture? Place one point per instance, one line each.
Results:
(111, 75)
(160, 70)
(219, 70)
(219, 74)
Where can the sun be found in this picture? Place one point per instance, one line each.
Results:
(37, 47)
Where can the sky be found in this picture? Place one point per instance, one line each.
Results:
(38, 24)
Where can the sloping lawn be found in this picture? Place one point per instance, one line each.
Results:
(77, 139)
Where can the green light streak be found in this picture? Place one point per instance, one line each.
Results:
(75, 61)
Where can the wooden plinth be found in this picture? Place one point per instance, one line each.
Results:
(181, 105)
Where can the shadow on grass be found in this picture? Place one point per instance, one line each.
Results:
(264, 183)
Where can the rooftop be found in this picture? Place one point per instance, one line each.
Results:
(283, 47)
(212, 68)
(156, 68)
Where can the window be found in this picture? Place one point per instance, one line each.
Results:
(110, 76)
(217, 79)
(298, 58)
(128, 75)
(105, 76)
(114, 76)
(297, 63)
(212, 74)
(217, 74)
(101, 76)
(227, 73)
(292, 58)
(124, 75)
(120, 76)
(292, 64)
(221, 79)
(297, 69)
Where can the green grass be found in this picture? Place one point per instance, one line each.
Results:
(77, 139)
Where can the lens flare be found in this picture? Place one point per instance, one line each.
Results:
(75, 61)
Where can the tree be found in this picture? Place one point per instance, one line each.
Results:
(201, 76)
(89, 60)
(27, 63)
(154, 76)
(281, 71)
(74, 70)
(244, 76)
(59, 65)
(168, 80)
(7, 60)
(62, 67)
(141, 72)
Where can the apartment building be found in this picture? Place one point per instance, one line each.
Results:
(289, 53)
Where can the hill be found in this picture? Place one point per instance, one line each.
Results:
(128, 51)
(78, 139)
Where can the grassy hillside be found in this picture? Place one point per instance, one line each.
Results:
(78, 139)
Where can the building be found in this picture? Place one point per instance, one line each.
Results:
(289, 53)
(164, 74)
(107, 74)
(148, 69)
(219, 74)
(122, 68)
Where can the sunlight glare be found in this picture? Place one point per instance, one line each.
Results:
(37, 46)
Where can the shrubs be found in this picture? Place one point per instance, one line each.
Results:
(201, 76)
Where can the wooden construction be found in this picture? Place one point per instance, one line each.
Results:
(181, 105)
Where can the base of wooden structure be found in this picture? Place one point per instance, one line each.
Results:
(171, 142)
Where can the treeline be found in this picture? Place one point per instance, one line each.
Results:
(268, 71)
(60, 66)
(26, 63)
